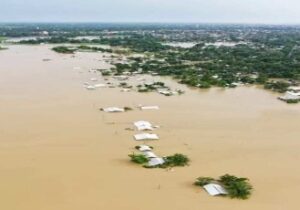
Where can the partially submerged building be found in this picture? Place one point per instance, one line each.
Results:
(100, 85)
(143, 125)
(145, 136)
(293, 94)
(90, 87)
(113, 109)
(215, 189)
(149, 107)
(149, 154)
(144, 148)
(156, 162)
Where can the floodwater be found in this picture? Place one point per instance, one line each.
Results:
(58, 151)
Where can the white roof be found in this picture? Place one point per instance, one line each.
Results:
(165, 92)
(90, 87)
(113, 109)
(149, 107)
(145, 136)
(156, 161)
(100, 85)
(215, 189)
(150, 154)
(94, 79)
(126, 90)
(144, 148)
(143, 125)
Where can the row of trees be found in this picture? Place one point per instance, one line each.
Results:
(257, 57)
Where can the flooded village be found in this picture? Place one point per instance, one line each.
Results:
(104, 122)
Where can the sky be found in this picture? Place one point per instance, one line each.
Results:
(196, 11)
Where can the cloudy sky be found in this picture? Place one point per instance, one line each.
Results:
(200, 11)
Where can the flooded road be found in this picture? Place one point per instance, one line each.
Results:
(58, 151)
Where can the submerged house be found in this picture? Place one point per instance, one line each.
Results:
(155, 162)
(90, 87)
(149, 154)
(144, 148)
(165, 92)
(293, 94)
(149, 107)
(100, 85)
(113, 109)
(143, 125)
(145, 136)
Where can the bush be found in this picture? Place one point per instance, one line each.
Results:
(176, 160)
(106, 73)
(62, 49)
(280, 87)
(201, 181)
(236, 187)
(292, 101)
(161, 84)
(127, 108)
(139, 159)
(143, 90)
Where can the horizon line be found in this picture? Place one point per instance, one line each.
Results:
(150, 22)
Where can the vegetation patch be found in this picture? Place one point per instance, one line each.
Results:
(125, 85)
(138, 158)
(278, 86)
(292, 101)
(236, 187)
(201, 181)
(238, 55)
(127, 108)
(64, 50)
(70, 50)
(93, 49)
(152, 87)
(176, 160)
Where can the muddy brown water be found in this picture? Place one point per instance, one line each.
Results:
(58, 151)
